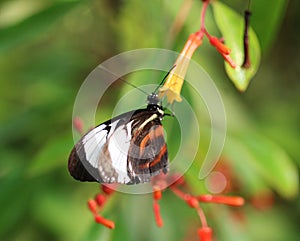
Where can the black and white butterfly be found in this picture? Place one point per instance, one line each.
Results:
(128, 149)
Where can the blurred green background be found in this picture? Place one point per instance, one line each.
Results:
(47, 48)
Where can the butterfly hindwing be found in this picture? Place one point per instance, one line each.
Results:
(129, 149)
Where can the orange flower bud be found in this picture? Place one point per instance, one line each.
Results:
(107, 190)
(228, 200)
(191, 201)
(205, 234)
(156, 193)
(92, 204)
(78, 125)
(222, 48)
(100, 199)
(107, 223)
(158, 219)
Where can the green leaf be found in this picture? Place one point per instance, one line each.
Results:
(54, 154)
(274, 164)
(33, 26)
(268, 160)
(231, 25)
(267, 23)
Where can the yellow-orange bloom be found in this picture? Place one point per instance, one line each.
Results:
(172, 87)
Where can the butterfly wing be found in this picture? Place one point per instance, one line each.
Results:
(147, 154)
(127, 149)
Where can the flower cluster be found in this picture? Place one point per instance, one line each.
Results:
(176, 184)
(193, 201)
(96, 205)
(173, 84)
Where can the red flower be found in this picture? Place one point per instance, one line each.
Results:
(95, 206)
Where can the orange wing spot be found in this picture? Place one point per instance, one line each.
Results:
(153, 133)
(160, 155)
(159, 131)
(156, 160)
(145, 140)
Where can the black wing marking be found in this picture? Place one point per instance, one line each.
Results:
(82, 163)
(77, 169)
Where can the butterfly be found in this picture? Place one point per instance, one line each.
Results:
(128, 149)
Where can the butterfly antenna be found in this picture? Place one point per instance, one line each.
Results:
(163, 80)
(134, 86)
(124, 80)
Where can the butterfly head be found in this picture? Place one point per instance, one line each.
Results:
(153, 99)
(154, 104)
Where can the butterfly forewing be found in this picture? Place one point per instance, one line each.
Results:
(129, 149)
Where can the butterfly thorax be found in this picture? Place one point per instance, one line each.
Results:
(157, 109)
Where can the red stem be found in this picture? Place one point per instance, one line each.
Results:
(203, 13)
(184, 196)
(178, 192)
(201, 216)
(206, 33)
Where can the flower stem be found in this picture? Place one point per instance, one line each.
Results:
(203, 13)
